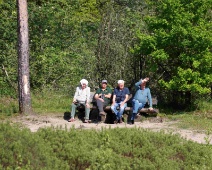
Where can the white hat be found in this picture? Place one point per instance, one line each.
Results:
(84, 81)
(121, 82)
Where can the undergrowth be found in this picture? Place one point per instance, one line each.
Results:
(50, 102)
(200, 119)
(42, 102)
(8, 106)
(120, 148)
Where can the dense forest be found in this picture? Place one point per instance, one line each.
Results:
(169, 41)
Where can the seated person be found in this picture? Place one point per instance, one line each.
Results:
(120, 97)
(102, 97)
(81, 96)
(140, 98)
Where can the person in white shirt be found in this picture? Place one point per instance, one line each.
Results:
(81, 97)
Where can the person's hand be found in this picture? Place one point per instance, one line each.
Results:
(100, 99)
(87, 105)
(121, 105)
(74, 101)
(151, 109)
(113, 104)
(146, 79)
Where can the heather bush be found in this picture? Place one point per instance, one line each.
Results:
(119, 148)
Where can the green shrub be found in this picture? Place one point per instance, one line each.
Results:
(8, 106)
(127, 148)
(21, 149)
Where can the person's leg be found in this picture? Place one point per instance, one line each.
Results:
(87, 112)
(136, 106)
(113, 108)
(73, 110)
(100, 105)
(121, 111)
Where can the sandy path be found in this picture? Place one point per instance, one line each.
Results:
(34, 122)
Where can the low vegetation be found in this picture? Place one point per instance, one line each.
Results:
(106, 149)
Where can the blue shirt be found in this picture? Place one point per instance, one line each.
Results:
(121, 94)
(142, 95)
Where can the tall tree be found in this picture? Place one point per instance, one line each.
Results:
(118, 25)
(178, 47)
(23, 58)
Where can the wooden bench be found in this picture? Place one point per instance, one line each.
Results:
(129, 108)
(94, 113)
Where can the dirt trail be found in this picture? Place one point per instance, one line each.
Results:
(35, 122)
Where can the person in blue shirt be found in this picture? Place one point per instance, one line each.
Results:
(140, 98)
(120, 98)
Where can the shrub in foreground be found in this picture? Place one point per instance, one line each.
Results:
(120, 148)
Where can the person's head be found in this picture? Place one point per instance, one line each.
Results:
(104, 84)
(83, 83)
(121, 84)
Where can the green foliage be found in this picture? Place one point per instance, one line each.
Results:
(63, 35)
(168, 41)
(8, 53)
(105, 149)
(178, 47)
(119, 23)
(64, 42)
(8, 106)
(20, 149)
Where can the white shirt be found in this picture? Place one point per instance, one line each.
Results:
(82, 95)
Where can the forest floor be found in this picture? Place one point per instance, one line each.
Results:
(35, 122)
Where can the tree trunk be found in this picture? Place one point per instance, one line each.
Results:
(23, 58)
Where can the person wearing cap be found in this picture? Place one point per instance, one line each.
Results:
(102, 96)
(120, 98)
(140, 98)
(81, 97)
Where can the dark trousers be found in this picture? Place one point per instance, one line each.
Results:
(101, 105)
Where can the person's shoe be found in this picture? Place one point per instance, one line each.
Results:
(132, 122)
(137, 115)
(103, 118)
(116, 121)
(71, 120)
(87, 121)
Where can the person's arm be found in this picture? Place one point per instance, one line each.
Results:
(137, 85)
(114, 99)
(88, 95)
(127, 92)
(98, 97)
(97, 94)
(126, 98)
(109, 93)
